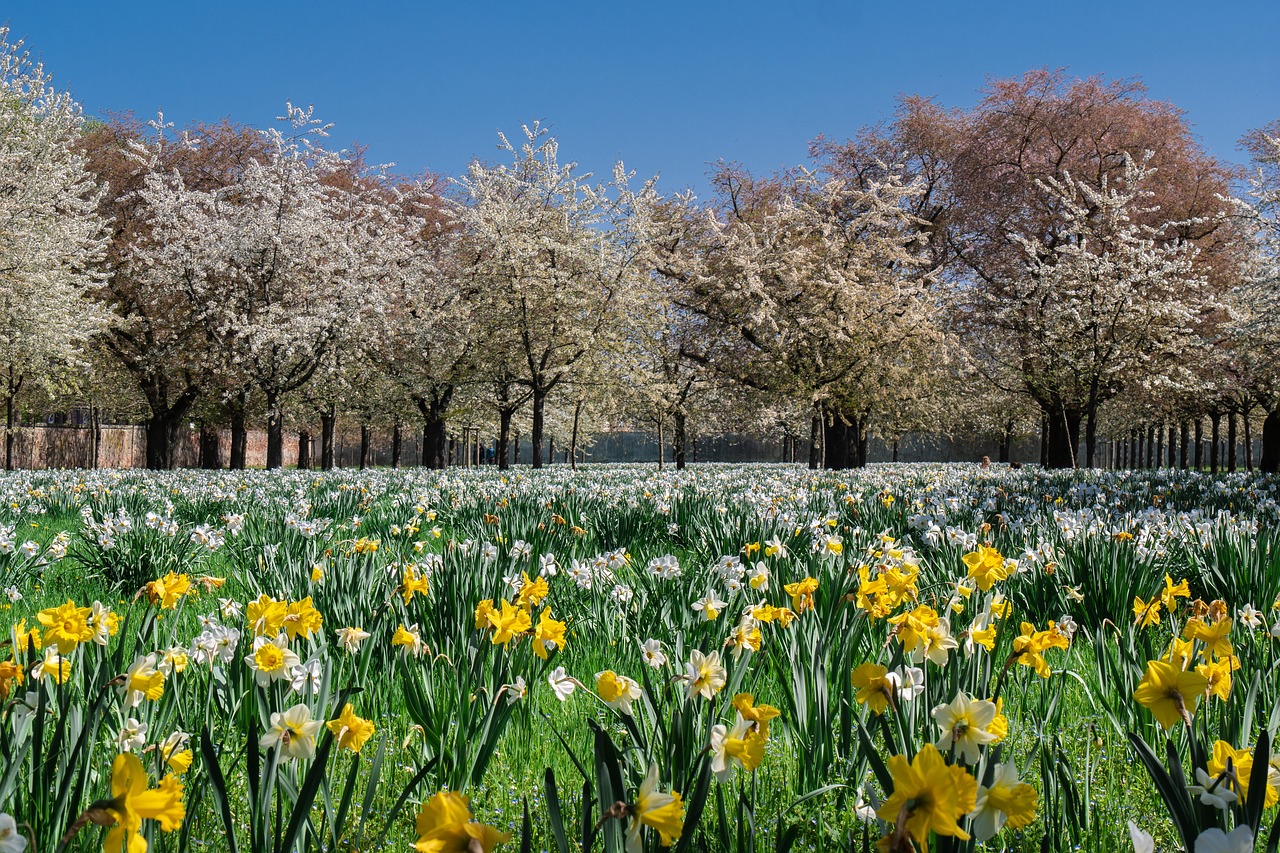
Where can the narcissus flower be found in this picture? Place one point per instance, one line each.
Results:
(656, 809)
(131, 803)
(166, 591)
(143, 681)
(617, 691)
(874, 685)
(704, 676)
(410, 639)
(928, 796)
(445, 825)
(548, 635)
(294, 731)
(759, 715)
(742, 746)
(965, 725)
(986, 566)
(66, 626)
(1170, 692)
(801, 593)
(350, 731)
(1007, 800)
(508, 622)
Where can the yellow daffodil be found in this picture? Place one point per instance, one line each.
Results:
(131, 803)
(350, 731)
(656, 809)
(929, 796)
(1170, 692)
(445, 824)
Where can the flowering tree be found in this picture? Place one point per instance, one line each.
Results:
(985, 173)
(818, 285)
(51, 235)
(549, 260)
(279, 262)
(157, 336)
(1256, 302)
(1100, 301)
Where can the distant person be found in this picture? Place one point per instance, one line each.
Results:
(986, 463)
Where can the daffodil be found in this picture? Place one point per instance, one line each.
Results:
(350, 731)
(1006, 800)
(661, 811)
(929, 796)
(445, 824)
(143, 681)
(294, 731)
(874, 686)
(548, 634)
(131, 803)
(617, 691)
(1170, 692)
(741, 746)
(66, 626)
(965, 726)
(704, 676)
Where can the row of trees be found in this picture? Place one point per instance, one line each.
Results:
(1061, 257)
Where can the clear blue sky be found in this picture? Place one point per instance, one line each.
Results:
(667, 87)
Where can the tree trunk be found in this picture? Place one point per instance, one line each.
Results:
(210, 447)
(1231, 441)
(678, 439)
(1090, 437)
(1159, 440)
(1215, 429)
(397, 440)
(1172, 447)
(435, 429)
(162, 436)
(365, 435)
(815, 450)
(1044, 442)
(1063, 438)
(661, 453)
(551, 450)
(504, 438)
(1270, 461)
(13, 386)
(1151, 447)
(304, 450)
(539, 411)
(515, 447)
(275, 433)
(239, 439)
(328, 424)
(95, 426)
(573, 441)
(1199, 452)
(1184, 445)
(895, 450)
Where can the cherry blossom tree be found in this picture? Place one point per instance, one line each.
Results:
(819, 284)
(280, 262)
(549, 259)
(51, 235)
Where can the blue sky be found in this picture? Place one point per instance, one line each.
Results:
(667, 87)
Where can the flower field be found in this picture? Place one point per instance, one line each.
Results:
(728, 658)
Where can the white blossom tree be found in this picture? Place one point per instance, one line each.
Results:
(820, 285)
(280, 262)
(51, 235)
(548, 263)
(1099, 303)
(1256, 302)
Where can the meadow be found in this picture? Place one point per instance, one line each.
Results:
(749, 657)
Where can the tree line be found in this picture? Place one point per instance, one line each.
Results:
(1062, 258)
